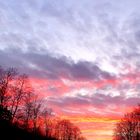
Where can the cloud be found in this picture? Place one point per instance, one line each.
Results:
(96, 105)
(67, 46)
(97, 100)
(55, 25)
(52, 67)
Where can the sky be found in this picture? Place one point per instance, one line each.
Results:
(82, 56)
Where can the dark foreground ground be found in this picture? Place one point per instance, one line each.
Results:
(9, 131)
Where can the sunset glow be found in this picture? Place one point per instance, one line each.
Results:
(82, 57)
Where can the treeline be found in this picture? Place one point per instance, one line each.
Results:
(128, 128)
(20, 106)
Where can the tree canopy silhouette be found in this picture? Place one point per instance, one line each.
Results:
(128, 128)
(22, 111)
(65, 130)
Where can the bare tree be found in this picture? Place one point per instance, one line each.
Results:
(19, 91)
(65, 130)
(32, 110)
(19, 103)
(129, 126)
(36, 104)
(6, 78)
(27, 109)
(48, 121)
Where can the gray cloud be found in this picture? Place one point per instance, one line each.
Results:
(98, 100)
(53, 23)
(52, 67)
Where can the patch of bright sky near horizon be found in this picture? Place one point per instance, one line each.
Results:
(97, 31)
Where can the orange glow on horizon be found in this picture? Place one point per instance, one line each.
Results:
(93, 127)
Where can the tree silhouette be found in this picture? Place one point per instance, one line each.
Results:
(21, 112)
(5, 115)
(48, 122)
(65, 130)
(19, 91)
(6, 78)
(36, 111)
(129, 126)
(32, 110)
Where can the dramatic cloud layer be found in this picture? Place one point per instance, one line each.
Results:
(82, 56)
(53, 67)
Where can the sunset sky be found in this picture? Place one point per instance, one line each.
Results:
(82, 56)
